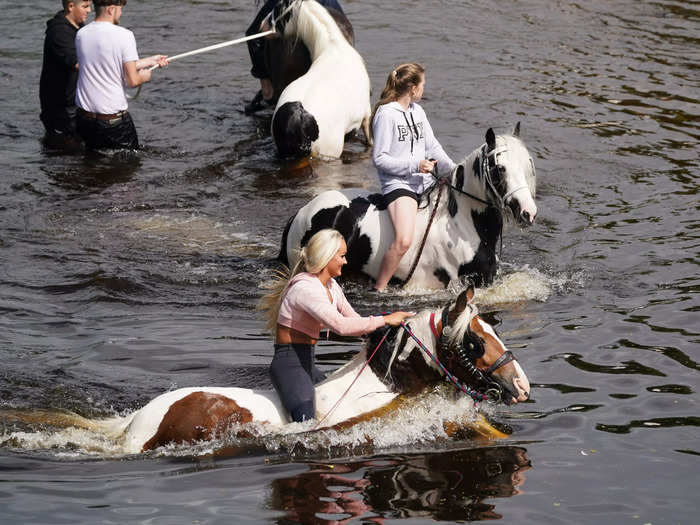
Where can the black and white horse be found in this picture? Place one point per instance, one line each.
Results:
(463, 236)
(391, 363)
(287, 59)
(316, 111)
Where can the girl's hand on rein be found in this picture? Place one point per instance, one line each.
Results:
(396, 318)
(426, 166)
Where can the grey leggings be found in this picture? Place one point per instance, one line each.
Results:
(293, 375)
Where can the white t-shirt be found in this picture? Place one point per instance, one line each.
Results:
(102, 49)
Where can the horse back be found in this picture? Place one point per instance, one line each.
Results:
(346, 211)
(287, 59)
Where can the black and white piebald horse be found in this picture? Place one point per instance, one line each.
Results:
(459, 341)
(286, 59)
(463, 236)
(316, 111)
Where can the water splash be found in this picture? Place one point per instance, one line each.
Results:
(415, 420)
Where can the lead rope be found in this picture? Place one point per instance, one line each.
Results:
(353, 382)
(220, 45)
(441, 183)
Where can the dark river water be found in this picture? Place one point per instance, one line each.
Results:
(123, 276)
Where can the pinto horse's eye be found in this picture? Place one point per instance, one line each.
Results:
(501, 170)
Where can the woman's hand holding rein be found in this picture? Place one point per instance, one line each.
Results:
(396, 318)
(426, 166)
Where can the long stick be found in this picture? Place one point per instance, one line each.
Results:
(217, 46)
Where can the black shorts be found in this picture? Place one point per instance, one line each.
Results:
(401, 192)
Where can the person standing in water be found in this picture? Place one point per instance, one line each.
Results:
(59, 73)
(299, 305)
(405, 153)
(108, 60)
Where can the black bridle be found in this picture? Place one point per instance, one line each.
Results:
(466, 356)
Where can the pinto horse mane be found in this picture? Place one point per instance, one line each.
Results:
(315, 27)
(400, 363)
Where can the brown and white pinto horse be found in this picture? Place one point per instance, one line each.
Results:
(463, 342)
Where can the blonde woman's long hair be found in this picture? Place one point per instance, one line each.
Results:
(313, 258)
(398, 83)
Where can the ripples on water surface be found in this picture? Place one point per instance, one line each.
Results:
(124, 276)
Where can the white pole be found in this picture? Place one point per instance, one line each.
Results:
(216, 46)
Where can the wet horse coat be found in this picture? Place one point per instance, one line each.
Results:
(463, 237)
(399, 366)
(316, 111)
(287, 59)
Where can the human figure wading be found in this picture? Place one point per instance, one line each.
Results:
(108, 59)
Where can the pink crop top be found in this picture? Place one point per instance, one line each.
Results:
(306, 307)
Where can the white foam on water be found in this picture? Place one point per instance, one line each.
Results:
(193, 233)
(522, 284)
(71, 442)
(416, 420)
(512, 285)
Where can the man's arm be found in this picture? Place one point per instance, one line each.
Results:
(137, 72)
(133, 76)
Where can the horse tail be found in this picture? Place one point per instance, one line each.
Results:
(282, 256)
(111, 426)
(294, 129)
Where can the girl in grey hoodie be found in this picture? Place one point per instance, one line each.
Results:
(403, 144)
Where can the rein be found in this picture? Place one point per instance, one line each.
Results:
(493, 389)
(493, 393)
(441, 182)
(353, 382)
(474, 394)
(444, 181)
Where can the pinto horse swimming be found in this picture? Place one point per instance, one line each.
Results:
(464, 344)
(316, 111)
(461, 238)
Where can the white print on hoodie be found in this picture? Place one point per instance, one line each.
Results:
(401, 140)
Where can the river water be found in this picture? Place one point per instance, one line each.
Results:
(123, 276)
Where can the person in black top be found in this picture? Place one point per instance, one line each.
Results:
(59, 73)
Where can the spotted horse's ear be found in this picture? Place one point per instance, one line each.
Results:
(490, 139)
(516, 130)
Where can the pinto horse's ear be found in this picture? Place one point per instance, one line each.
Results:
(466, 297)
(490, 139)
(516, 130)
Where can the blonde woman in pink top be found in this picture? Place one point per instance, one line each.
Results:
(302, 304)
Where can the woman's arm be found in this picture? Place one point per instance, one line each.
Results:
(433, 150)
(313, 299)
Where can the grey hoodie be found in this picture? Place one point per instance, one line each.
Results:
(401, 140)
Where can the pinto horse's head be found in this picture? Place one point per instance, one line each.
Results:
(510, 174)
(472, 352)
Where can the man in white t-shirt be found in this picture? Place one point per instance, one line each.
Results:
(108, 60)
